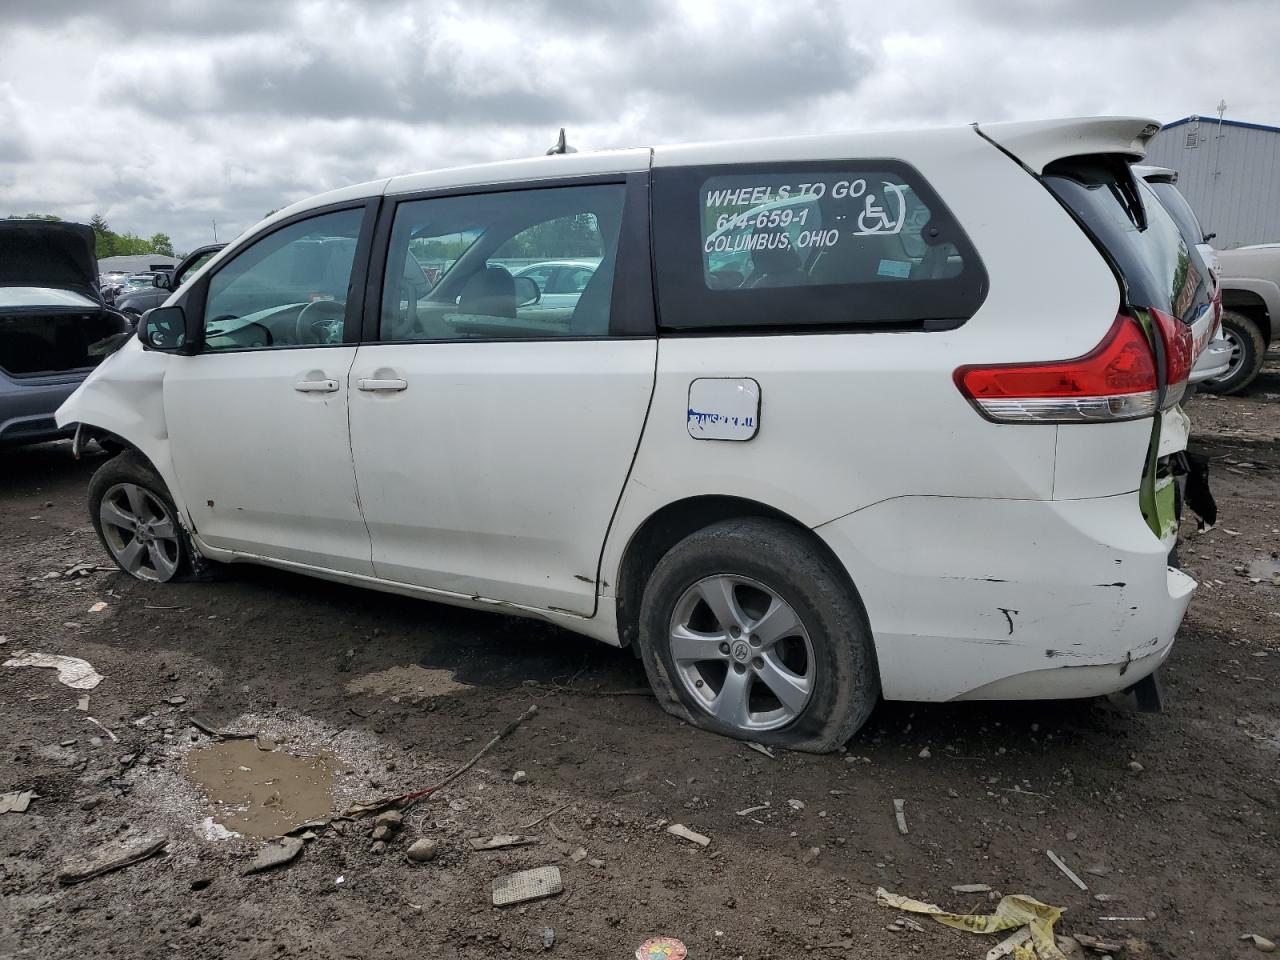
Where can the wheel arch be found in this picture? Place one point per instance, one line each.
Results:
(1252, 302)
(669, 524)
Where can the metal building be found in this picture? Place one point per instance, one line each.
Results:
(1229, 171)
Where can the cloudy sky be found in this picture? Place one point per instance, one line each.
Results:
(168, 116)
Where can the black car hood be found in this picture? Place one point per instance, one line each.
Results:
(48, 253)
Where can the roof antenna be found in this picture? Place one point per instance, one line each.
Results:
(561, 146)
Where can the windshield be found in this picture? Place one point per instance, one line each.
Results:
(43, 297)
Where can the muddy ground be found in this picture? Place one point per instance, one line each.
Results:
(382, 694)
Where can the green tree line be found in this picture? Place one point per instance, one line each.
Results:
(111, 244)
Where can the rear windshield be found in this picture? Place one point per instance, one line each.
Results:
(1160, 266)
(819, 245)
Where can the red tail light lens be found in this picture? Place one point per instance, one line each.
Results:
(1114, 381)
(1179, 351)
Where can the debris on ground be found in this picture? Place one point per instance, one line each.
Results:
(578, 855)
(971, 888)
(901, 815)
(684, 833)
(72, 671)
(527, 885)
(750, 810)
(1012, 912)
(1067, 871)
(423, 851)
(811, 856)
(276, 854)
(16, 801)
(102, 727)
(661, 948)
(548, 938)
(83, 704)
(1259, 941)
(405, 800)
(796, 805)
(520, 777)
(98, 607)
(110, 858)
(502, 841)
(761, 748)
(387, 824)
(1097, 944)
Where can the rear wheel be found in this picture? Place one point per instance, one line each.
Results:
(1248, 350)
(137, 522)
(748, 629)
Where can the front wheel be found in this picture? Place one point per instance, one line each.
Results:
(748, 629)
(136, 520)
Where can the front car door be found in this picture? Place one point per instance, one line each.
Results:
(258, 417)
(492, 437)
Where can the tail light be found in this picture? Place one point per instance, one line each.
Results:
(1179, 351)
(1114, 381)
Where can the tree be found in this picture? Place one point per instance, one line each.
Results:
(104, 240)
(161, 244)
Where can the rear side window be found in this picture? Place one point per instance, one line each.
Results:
(1161, 268)
(786, 246)
(1175, 203)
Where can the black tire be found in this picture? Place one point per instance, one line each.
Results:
(786, 561)
(130, 467)
(1245, 335)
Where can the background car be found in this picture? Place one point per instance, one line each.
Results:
(54, 324)
(139, 299)
(560, 282)
(1251, 301)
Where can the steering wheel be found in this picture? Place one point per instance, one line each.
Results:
(307, 326)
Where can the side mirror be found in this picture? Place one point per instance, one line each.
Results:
(164, 329)
(162, 281)
(527, 292)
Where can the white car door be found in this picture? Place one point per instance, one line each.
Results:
(258, 417)
(491, 444)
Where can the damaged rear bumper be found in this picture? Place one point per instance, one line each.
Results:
(1012, 599)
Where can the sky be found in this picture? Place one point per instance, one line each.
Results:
(169, 116)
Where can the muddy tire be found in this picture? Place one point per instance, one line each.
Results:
(137, 522)
(1248, 350)
(748, 629)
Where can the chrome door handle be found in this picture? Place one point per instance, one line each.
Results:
(316, 386)
(376, 385)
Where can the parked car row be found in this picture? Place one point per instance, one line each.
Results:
(828, 417)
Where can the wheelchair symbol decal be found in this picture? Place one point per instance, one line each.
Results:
(875, 219)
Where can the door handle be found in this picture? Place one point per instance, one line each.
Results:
(378, 385)
(316, 386)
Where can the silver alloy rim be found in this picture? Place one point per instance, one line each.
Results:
(1237, 354)
(140, 532)
(741, 653)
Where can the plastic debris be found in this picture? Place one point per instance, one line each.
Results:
(684, 833)
(72, 671)
(109, 859)
(548, 938)
(761, 748)
(750, 810)
(661, 948)
(102, 727)
(1070, 874)
(16, 801)
(1011, 913)
(98, 607)
(971, 888)
(527, 885)
(901, 815)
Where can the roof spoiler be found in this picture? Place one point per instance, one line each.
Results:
(1037, 143)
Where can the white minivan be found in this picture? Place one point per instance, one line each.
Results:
(833, 417)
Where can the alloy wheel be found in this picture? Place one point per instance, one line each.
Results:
(742, 653)
(140, 532)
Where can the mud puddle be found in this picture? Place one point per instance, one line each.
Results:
(262, 793)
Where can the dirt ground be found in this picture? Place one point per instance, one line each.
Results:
(381, 694)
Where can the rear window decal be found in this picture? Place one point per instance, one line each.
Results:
(894, 268)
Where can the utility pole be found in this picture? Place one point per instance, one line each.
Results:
(215, 230)
(1217, 166)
